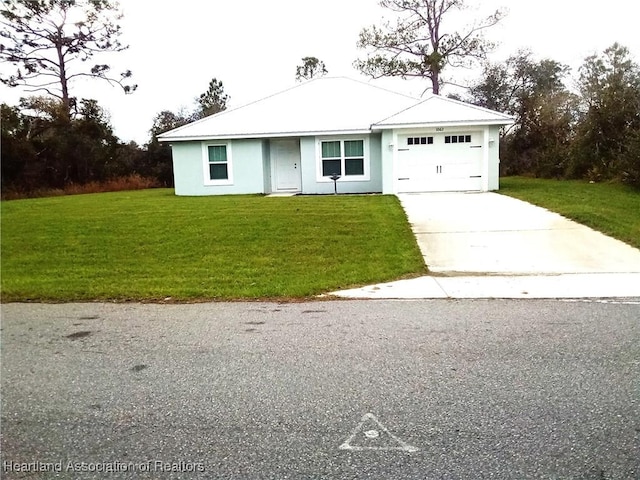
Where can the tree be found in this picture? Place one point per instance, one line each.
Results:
(629, 162)
(17, 151)
(212, 101)
(167, 120)
(496, 89)
(311, 68)
(52, 41)
(157, 162)
(76, 150)
(609, 85)
(417, 45)
(545, 112)
(512, 86)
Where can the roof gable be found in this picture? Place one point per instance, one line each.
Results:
(442, 110)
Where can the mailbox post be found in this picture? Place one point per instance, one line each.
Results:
(335, 178)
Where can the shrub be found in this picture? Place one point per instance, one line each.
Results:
(630, 161)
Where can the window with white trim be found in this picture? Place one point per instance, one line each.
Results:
(217, 163)
(345, 158)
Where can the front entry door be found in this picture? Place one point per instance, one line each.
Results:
(285, 155)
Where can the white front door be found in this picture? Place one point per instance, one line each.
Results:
(285, 157)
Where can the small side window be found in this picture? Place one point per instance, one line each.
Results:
(410, 141)
(218, 168)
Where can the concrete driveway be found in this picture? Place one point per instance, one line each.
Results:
(490, 233)
(487, 245)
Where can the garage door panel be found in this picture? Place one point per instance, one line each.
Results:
(438, 165)
(461, 170)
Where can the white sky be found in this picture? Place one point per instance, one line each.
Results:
(254, 46)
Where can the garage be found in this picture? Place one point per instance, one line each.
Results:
(439, 162)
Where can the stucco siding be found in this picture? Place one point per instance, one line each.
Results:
(247, 163)
(266, 166)
(308, 164)
(494, 158)
(376, 146)
(187, 167)
(387, 168)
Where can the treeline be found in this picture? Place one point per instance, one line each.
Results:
(47, 147)
(589, 131)
(43, 148)
(585, 126)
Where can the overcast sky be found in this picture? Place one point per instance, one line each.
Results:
(254, 46)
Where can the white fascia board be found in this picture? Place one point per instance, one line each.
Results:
(264, 135)
(473, 123)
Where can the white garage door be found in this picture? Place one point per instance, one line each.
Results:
(440, 162)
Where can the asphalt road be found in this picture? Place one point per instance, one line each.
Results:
(435, 389)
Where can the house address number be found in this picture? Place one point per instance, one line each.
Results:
(439, 129)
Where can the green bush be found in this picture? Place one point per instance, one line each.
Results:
(630, 162)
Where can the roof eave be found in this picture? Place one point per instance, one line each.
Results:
(240, 136)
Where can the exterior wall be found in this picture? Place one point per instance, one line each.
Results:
(310, 160)
(251, 164)
(376, 146)
(308, 165)
(266, 166)
(389, 150)
(247, 162)
(494, 158)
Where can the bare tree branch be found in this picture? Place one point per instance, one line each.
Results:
(40, 39)
(416, 45)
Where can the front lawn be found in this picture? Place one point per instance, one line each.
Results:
(150, 245)
(610, 208)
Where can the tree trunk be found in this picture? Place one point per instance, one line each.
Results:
(435, 82)
(66, 101)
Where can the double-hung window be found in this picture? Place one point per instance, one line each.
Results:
(331, 158)
(345, 158)
(217, 164)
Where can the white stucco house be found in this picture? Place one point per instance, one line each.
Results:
(376, 140)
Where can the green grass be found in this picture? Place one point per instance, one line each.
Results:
(610, 208)
(150, 244)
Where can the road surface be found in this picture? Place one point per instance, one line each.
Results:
(429, 389)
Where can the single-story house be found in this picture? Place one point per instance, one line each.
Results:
(374, 139)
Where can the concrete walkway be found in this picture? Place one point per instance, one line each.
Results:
(486, 245)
